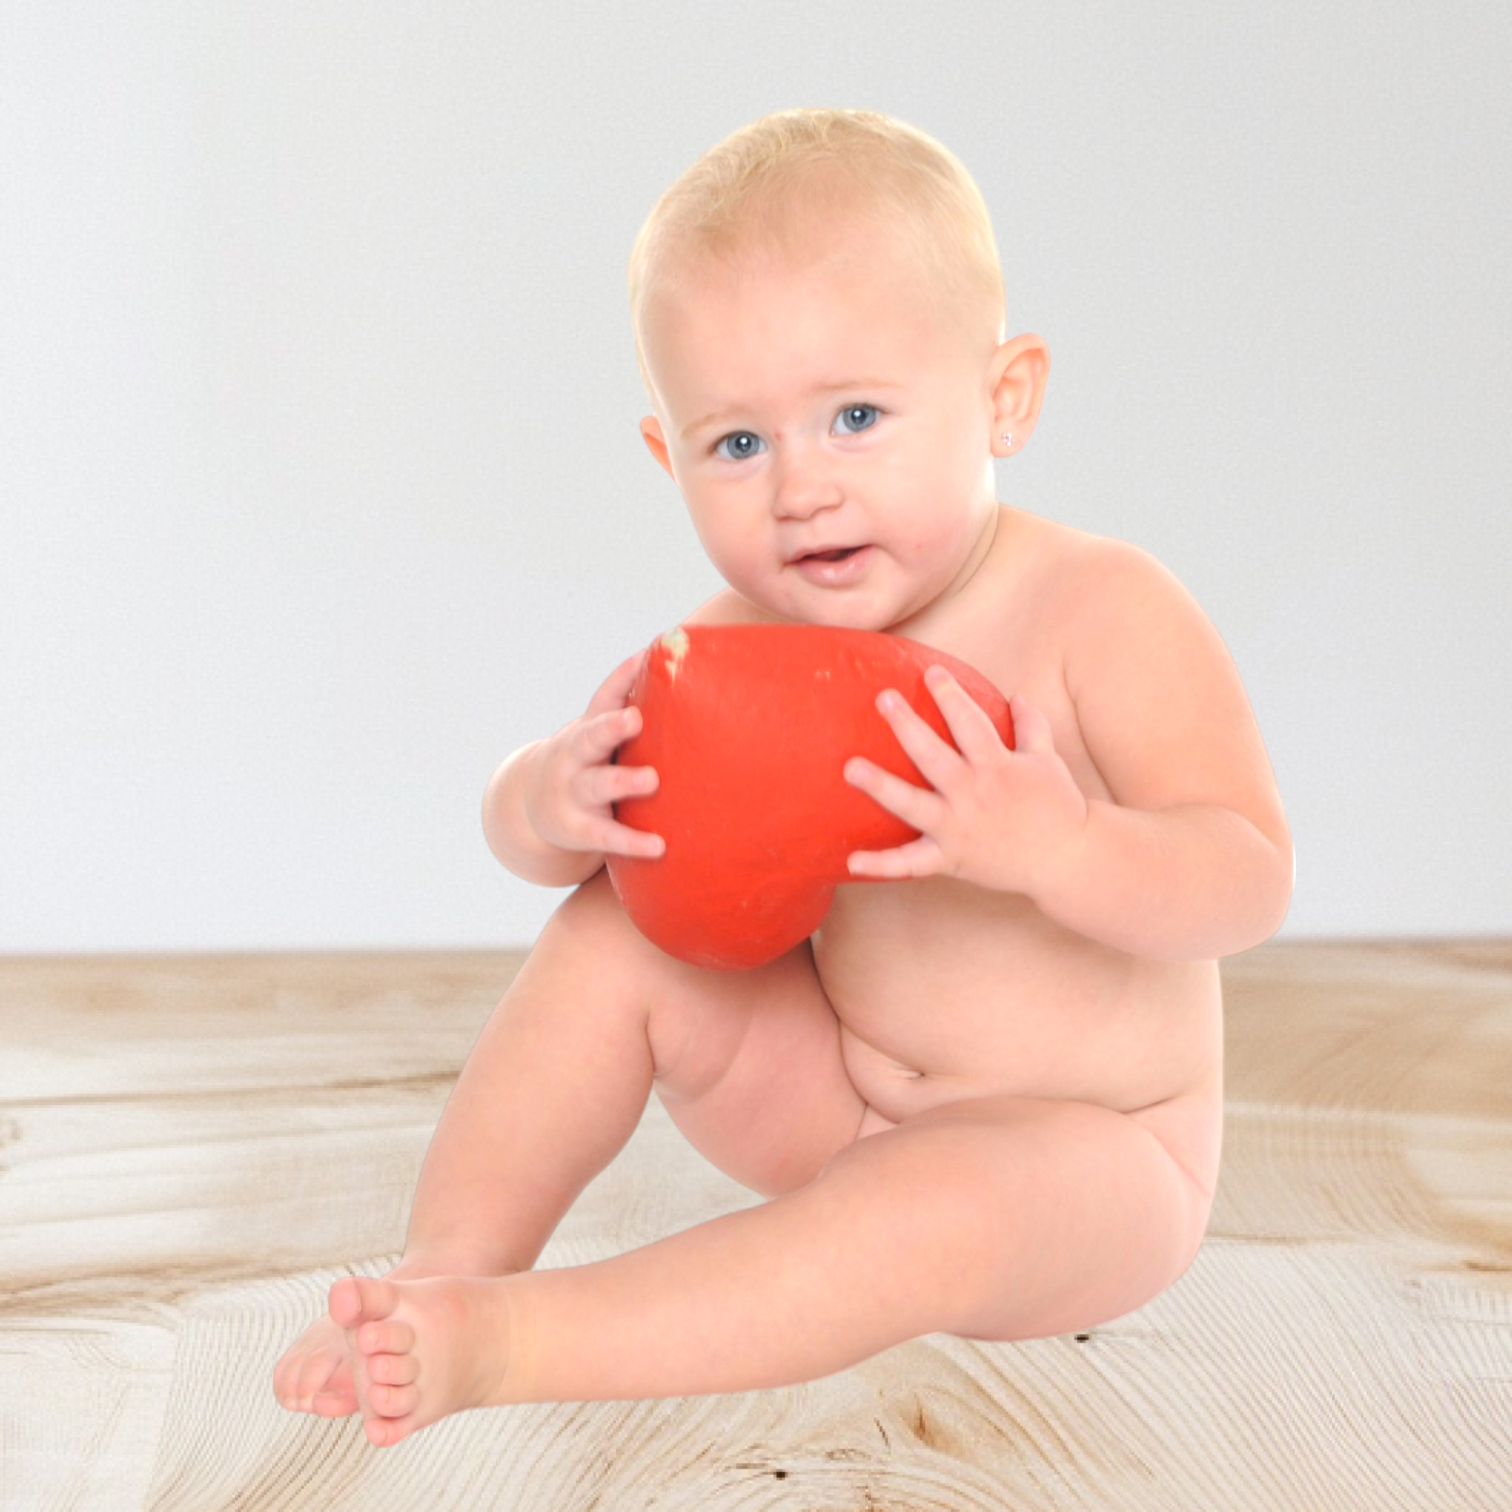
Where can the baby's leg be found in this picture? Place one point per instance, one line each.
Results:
(997, 1218)
(559, 1078)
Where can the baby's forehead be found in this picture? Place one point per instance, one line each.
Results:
(723, 351)
(827, 250)
(811, 244)
(808, 233)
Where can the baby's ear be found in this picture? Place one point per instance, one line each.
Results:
(651, 429)
(1022, 367)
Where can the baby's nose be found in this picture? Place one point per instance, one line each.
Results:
(805, 483)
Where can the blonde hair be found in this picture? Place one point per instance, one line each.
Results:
(771, 183)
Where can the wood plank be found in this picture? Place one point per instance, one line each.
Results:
(191, 1149)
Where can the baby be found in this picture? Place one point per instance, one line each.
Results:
(985, 1098)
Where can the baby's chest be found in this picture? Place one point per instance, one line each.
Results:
(1023, 663)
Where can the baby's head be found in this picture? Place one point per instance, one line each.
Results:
(787, 186)
(819, 320)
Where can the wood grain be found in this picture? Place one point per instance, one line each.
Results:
(192, 1149)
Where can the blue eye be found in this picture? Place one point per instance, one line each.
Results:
(742, 444)
(860, 416)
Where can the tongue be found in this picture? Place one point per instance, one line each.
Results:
(838, 554)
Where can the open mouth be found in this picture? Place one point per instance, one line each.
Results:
(839, 554)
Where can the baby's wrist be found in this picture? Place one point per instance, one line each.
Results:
(1059, 880)
(512, 836)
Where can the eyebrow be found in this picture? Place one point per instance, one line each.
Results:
(718, 417)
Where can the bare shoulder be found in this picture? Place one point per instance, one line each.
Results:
(1095, 573)
(1158, 698)
(1113, 602)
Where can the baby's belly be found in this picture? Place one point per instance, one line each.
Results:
(946, 992)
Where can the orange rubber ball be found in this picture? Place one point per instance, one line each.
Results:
(749, 728)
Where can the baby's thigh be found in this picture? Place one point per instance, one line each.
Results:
(749, 1067)
(1054, 1215)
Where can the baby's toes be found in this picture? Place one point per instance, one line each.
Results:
(393, 1401)
(311, 1378)
(286, 1383)
(344, 1303)
(337, 1398)
(385, 1339)
(392, 1369)
(289, 1377)
(355, 1300)
(384, 1432)
(298, 1383)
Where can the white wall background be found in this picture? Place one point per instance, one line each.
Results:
(319, 472)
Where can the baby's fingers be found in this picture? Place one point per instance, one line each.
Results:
(599, 786)
(598, 738)
(612, 837)
(918, 858)
(616, 839)
(615, 689)
(920, 807)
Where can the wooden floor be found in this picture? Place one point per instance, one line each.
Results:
(191, 1149)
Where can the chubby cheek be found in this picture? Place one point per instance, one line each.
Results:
(735, 548)
(932, 542)
(938, 531)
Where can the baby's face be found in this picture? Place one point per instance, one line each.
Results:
(809, 411)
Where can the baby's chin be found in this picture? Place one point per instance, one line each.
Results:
(859, 612)
(860, 608)
(835, 615)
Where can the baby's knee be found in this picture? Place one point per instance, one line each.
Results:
(592, 913)
(590, 941)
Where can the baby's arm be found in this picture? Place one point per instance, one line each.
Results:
(1190, 860)
(547, 811)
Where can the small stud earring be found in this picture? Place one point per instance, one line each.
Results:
(1007, 439)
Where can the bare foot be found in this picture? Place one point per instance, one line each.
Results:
(421, 1349)
(315, 1373)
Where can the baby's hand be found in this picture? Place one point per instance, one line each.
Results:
(999, 818)
(573, 786)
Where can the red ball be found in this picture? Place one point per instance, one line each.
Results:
(749, 728)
